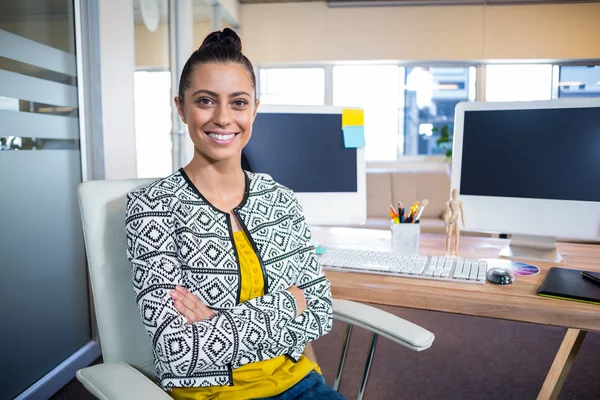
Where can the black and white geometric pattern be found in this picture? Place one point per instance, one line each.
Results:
(176, 237)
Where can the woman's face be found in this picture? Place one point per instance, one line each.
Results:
(219, 108)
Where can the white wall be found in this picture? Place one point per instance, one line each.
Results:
(304, 32)
(117, 64)
(152, 48)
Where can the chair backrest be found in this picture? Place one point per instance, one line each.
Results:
(122, 333)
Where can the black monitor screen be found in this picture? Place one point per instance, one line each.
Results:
(538, 154)
(304, 152)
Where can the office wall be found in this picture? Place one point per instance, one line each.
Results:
(115, 25)
(152, 48)
(549, 31)
(304, 32)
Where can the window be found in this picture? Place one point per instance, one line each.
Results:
(152, 95)
(406, 107)
(402, 105)
(292, 86)
(152, 91)
(579, 81)
(430, 97)
(375, 89)
(518, 82)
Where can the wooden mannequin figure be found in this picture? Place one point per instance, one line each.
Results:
(454, 209)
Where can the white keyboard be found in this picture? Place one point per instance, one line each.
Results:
(417, 266)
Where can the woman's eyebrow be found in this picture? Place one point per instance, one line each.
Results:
(236, 94)
(214, 94)
(208, 92)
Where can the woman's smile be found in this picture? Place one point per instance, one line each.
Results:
(222, 138)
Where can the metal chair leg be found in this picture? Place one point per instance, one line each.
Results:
(338, 376)
(363, 384)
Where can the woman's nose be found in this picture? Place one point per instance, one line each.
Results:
(222, 117)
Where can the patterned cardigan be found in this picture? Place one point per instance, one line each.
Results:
(176, 237)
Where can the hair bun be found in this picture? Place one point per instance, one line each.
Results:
(226, 38)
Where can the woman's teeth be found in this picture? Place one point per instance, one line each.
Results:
(221, 137)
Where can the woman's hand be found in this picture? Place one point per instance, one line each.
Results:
(190, 306)
(300, 299)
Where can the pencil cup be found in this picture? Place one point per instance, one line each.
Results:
(406, 238)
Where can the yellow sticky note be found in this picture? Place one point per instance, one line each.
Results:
(352, 117)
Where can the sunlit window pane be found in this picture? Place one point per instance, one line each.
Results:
(430, 98)
(153, 123)
(376, 89)
(292, 86)
(520, 82)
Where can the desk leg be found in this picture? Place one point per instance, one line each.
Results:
(562, 364)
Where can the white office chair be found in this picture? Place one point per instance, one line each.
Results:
(128, 372)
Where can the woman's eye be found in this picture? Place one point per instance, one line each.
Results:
(240, 103)
(204, 101)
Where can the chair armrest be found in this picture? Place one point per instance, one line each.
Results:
(119, 381)
(383, 323)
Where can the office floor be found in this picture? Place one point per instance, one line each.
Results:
(471, 358)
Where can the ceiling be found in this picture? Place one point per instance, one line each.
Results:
(279, 1)
(407, 3)
(202, 11)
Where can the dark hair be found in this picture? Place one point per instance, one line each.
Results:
(218, 47)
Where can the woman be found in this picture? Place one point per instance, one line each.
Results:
(226, 279)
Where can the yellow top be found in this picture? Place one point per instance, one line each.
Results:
(260, 379)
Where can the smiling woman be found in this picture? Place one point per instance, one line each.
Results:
(217, 97)
(223, 113)
(230, 309)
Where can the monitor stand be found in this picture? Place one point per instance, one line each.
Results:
(532, 248)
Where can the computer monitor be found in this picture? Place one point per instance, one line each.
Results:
(529, 169)
(302, 147)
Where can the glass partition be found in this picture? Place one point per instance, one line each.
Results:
(43, 279)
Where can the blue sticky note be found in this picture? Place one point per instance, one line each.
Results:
(354, 137)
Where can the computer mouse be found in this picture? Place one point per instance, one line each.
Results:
(500, 276)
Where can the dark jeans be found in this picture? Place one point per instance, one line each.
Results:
(311, 387)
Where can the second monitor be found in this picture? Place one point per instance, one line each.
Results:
(302, 147)
(530, 169)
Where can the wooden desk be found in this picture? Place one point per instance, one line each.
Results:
(516, 302)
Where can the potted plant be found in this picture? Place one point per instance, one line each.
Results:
(444, 143)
